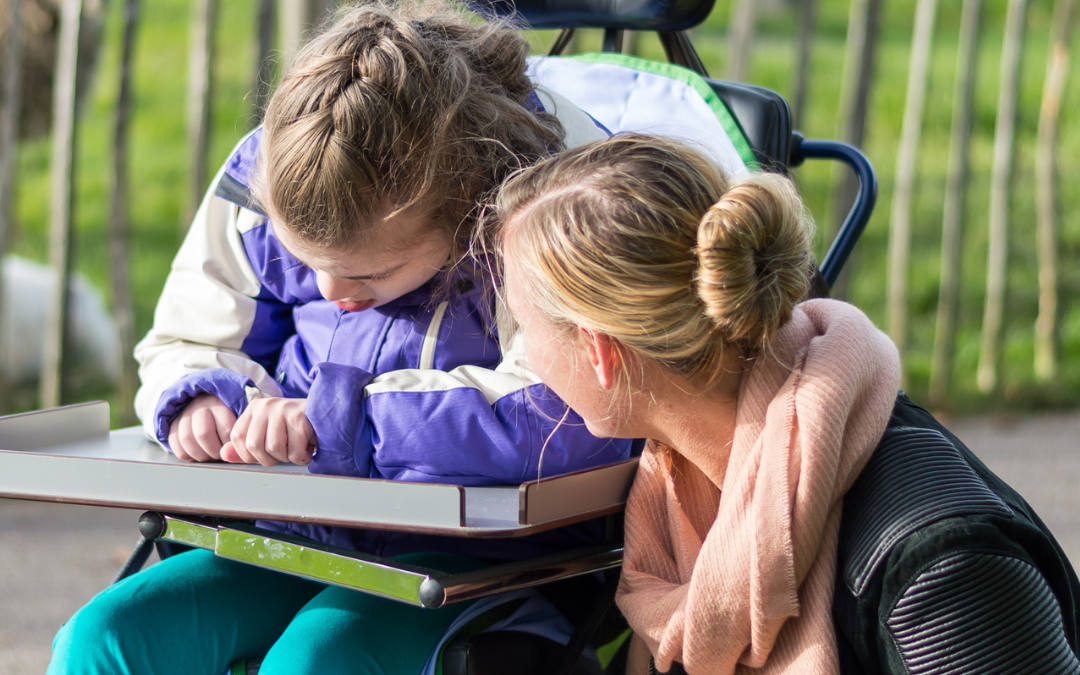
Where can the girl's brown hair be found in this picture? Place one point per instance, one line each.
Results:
(645, 240)
(398, 109)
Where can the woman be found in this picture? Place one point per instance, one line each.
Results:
(791, 513)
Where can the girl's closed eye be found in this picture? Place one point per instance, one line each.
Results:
(372, 278)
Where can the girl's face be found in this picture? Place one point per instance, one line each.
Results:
(404, 254)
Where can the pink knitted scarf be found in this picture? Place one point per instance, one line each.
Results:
(724, 584)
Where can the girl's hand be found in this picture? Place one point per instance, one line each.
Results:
(201, 429)
(271, 430)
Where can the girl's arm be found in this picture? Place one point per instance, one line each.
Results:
(217, 330)
(472, 425)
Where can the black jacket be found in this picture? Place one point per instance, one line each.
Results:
(943, 568)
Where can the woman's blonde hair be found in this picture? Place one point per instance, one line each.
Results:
(395, 109)
(645, 240)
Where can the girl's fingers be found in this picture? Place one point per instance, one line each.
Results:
(278, 438)
(204, 428)
(301, 442)
(239, 433)
(271, 430)
(198, 433)
(174, 442)
(224, 419)
(187, 444)
(255, 440)
(229, 454)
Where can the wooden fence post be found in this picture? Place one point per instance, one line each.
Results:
(264, 66)
(741, 39)
(956, 182)
(906, 156)
(851, 118)
(1057, 69)
(294, 21)
(118, 230)
(200, 87)
(10, 107)
(802, 60)
(1001, 173)
(298, 17)
(60, 212)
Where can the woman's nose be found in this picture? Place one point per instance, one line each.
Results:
(336, 288)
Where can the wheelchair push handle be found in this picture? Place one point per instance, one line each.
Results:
(859, 215)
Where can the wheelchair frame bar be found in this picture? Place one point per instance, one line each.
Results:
(865, 198)
(448, 589)
(676, 46)
(679, 51)
(613, 40)
(411, 584)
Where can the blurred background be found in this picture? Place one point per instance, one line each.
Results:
(115, 114)
(968, 111)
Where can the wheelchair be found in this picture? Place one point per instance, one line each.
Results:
(69, 455)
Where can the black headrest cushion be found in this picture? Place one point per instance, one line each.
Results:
(655, 15)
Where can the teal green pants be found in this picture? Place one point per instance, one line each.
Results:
(195, 613)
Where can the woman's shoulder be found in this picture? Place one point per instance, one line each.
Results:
(922, 479)
(918, 475)
(927, 531)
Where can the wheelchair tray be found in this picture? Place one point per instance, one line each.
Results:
(69, 455)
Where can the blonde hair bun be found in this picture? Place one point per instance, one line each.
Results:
(754, 261)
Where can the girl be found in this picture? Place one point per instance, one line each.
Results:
(319, 312)
(661, 299)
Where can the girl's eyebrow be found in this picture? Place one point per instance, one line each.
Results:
(362, 277)
(376, 275)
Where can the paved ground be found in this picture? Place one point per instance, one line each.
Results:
(1040, 458)
(53, 558)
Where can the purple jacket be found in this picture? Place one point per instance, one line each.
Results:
(413, 390)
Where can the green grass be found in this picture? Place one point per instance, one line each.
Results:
(159, 170)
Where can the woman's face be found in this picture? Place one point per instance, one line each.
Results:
(405, 253)
(562, 359)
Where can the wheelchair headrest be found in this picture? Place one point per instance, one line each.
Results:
(652, 15)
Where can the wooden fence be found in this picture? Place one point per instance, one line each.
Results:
(284, 21)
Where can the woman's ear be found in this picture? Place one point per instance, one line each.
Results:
(604, 355)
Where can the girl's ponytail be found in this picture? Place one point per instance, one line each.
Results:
(754, 261)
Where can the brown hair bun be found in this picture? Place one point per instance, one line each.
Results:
(754, 261)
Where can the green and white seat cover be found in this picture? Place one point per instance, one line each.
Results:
(626, 93)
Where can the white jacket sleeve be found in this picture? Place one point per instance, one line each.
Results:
(205, 312)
